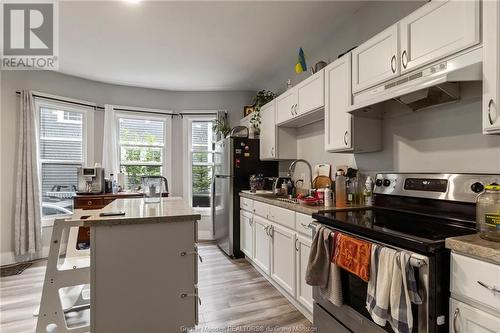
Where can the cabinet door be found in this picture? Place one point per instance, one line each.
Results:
(464, 318)
(262, 244)
(304, 291)
(246, 234)
(376, 60)
(267, 140)
(283, 257)
(286, 105)
(311, 93)
(491, 67)
(337, 98)
(438, 29)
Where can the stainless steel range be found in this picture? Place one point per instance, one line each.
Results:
(415, 213)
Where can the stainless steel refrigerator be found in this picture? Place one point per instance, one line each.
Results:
(235, 159)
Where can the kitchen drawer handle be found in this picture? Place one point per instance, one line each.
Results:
(403, 57)
(393, 64)
(266, 229)
(489, 111)
(455, 317)
(305, 226)
(271, 231)
(295, 109)
(184, 295)
(494, 289)
(345, 137)
(185, 253)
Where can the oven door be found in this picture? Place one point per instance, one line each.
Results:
(353, 314)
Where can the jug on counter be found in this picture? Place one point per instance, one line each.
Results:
(488, 213)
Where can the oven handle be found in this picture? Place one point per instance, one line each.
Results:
(416, 260)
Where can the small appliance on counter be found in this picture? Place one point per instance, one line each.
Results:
(90, 180)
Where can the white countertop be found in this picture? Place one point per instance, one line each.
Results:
(172, 209)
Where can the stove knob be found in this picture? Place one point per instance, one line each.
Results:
(378, 182)
(477, 187)
(387, 182)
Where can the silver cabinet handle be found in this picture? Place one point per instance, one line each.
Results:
(295, 109)
(489, 112)
(272, 151)
(185, 253)
(305, 226)
(493, 289)
(455, 317)
(345, 137)
(403, 57)
(266, 229)
(296, 247)
(184, 295)
(271, 231)
(393, 64)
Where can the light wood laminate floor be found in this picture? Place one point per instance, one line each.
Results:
(233, 294)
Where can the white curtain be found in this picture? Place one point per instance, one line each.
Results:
(109, 144)
(27, 220)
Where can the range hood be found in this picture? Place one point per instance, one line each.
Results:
(433, 85)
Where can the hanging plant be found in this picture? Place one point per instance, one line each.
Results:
(261, 98)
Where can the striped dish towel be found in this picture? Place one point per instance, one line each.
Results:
(379, 285)
(403, 293)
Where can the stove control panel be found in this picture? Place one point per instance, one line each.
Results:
(445, 186)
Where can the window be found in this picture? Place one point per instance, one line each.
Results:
(200, 160)
(141, 143)
(63, 148)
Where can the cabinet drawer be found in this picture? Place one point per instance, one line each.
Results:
(302, 222)
(261, 209)
(89, 203)
(466, 273)
(246, 204)
(282, 216)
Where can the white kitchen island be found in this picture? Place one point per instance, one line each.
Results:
(143, 267)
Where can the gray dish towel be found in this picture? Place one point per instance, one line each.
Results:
(318, 266)
(333, 290)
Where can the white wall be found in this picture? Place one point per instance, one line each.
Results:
(442, 139)
(101, 93)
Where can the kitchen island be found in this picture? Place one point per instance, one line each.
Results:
(142, 268)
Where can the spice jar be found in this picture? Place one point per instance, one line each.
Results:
(488, 213)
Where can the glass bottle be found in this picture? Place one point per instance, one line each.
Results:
(488, 213)
(340, 190)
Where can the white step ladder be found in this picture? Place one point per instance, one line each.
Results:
(66, 288)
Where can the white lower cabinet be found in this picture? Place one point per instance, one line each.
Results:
(304, 291)
(280, 249)
(467, 319)
(262, 244)
(283, 257)
(246, 233)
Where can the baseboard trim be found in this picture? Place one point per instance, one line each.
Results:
(8, 258)
(290, 298)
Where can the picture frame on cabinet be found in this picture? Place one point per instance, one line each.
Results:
(247, 109)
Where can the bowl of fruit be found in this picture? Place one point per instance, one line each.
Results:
(308, 200)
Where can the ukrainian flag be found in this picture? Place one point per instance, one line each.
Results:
(301, 66)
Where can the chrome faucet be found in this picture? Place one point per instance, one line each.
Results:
(291, 169)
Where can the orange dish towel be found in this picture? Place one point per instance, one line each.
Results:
(353, 255)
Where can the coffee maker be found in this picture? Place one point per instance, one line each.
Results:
(90, 180)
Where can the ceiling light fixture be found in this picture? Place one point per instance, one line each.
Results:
(133, 1)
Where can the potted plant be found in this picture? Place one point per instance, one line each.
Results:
(261, 98)
(221, 128)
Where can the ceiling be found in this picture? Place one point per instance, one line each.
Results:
(195, 46)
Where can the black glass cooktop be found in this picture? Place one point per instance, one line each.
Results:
(420, 233)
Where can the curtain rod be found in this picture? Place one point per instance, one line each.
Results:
(98, 107)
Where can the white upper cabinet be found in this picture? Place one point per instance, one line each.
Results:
(491, 67)
(338, 98)
(343, 132)
(376, 60)
(438, 29)
(300, 100)
(311, 93)
(286, 105)
(267, 140)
